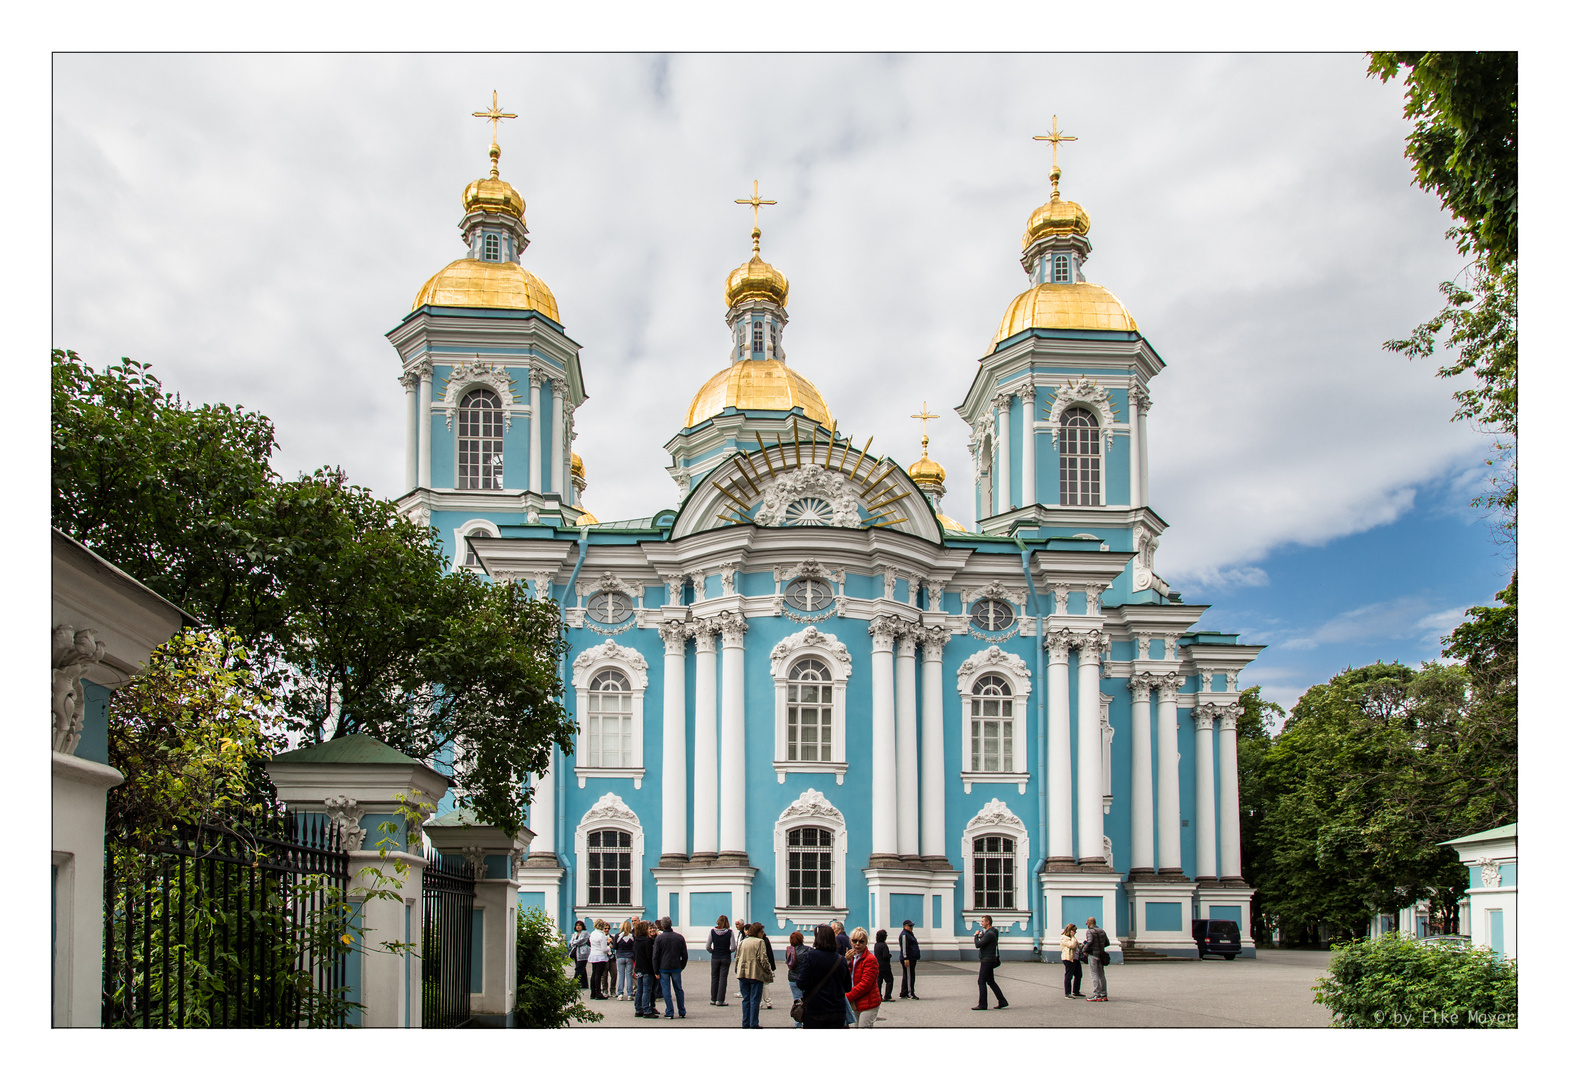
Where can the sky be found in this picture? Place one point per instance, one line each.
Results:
(253, 225)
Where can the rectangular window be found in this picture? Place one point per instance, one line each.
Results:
(809, 723)
(991, 734)
(609, 730)
(757, 337)
(610, 867)
(492, 247)
(1059, 270)
(809, 867)
(993, 873)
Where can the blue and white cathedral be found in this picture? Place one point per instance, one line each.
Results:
(805, 693)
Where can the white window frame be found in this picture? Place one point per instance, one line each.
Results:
(1097, 454)
(1012, 668)
(459, 438)
(460, 547)
(1067, 267)
(996, 819)
(811, 808)
(610, 812)
(810, 643)
(634, 666)
(488, 241)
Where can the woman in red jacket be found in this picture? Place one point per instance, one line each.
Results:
(863, 995)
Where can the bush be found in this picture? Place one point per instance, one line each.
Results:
(547, 992)
(1394, 981)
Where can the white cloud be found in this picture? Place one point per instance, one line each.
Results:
(1404, 618)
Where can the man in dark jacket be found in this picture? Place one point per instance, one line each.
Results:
(986, 945)
(909, 952)
(1095, 942)
(824, 979)
(644, 971)
(670, 959)
(841, 939)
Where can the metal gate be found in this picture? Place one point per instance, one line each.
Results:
(446, 942)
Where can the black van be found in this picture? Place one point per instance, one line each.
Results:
(1217, 937)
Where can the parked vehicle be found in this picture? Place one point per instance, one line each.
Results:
(1217, 937)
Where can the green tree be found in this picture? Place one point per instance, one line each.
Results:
(1394, 982)
(1254, 735)
(548, 995)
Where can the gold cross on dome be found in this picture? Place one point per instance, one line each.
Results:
(495, 116)
(923, 416)
(1055, 138)
(754, 202)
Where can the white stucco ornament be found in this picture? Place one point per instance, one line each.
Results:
(466, 377)
(1086, 393)
(812, 638)
(611, 808)
(810, 482)
(74, 651)
(610, 653)
(995, 813)
(812, 803)
(995, 656)
(1491, 876)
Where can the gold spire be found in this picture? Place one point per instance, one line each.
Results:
(754, 202)
(495, 116)
(757, 279)
(1054, 138)
(926, 472)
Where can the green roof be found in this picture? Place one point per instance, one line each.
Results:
(459, 818)
(348, 750)
(1503, 832)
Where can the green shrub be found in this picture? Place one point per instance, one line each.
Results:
(547, 992)
(1394, 982)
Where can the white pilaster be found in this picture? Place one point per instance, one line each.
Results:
(1168, 793)
(1204, 791)
(1027, 432)
(536, 482)
(885, 806)
(79, 790)
(673, 758)
(542, 809)
(732, 772)
(1004, 454)
(705, 746)
(411, 430)
(1092, 829)
(558, 473)
(1136, 399)
(424, 427)
(1144, 452)
(933, 826)
(1230, 809)
(1142, 801)
(1059, 749)
(909, 795)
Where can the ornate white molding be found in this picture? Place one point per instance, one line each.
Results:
(610, 653)
(1139, 396)
(993, 815)
(727, 578)
(994, 590)
(997, 657)
(610, 583)
(810, 480)
(475, 857)
(466, 376)
(1088, 393)
(74, 651)
(610, 809)
(1492, 876)
(1168, 684)
(810, 638)
(812, 803)
(346, 813)
(732, 627)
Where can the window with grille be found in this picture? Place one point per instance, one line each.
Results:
(810, 705)
(480, 424)
(1059, 269)
(808, 594)
(610, 608)
(473, 559)
(492, 247)
(610, 867)
(757, 337)
(1080, 459)
(991, 725)
(810, 867)
(991, 615)
(993, 873)
(609, 721)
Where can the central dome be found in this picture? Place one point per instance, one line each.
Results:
(1079, 305)
(475, 283)
(758, 384)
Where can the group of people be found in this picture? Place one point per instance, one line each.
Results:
(839, 980)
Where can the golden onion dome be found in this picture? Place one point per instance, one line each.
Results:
(478, 284)
(577, 466)
(1058, 217)
(1079, 305)
(927, 471)
(756, 280)
(494, 195)
(758, 384)
(950, 525)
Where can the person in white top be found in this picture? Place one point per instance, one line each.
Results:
(600, 951)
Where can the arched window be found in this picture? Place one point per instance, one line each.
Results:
(991, 725)
(480, 424)
(809, 724)
(610, 868)
(1080, 469)
(757, 337)
(983, 481)
(1060, 269)
(492, 247)
(609, 721)
(992, 873)
(472, 559)
(810, 863)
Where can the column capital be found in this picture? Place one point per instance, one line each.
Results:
(884, 629)
(1027, 395)
(905, 644)
(933, 640)
(1140, 683)
(1168, 685)
(1059, 643)
(1003, 399)
(537, 376)
(703, 632)
(1204, 716)
(409, 380)
(1139, 397)
(732, 626)
(673, 583)
(674, 635)
(1092, 594)
(1090, 643)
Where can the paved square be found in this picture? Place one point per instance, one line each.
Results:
(1274, 990)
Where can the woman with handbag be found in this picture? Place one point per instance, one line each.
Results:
(1072, 966)
(863, 995)
(577, 949)
(752, 970)
(795, 952)
(721, 944)
(824, 979)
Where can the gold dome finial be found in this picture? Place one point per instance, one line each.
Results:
(926, 473)
(495, 116)
(757, 279)
(1055, 138)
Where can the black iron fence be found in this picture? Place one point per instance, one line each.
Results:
(446, 944)
(221, 927)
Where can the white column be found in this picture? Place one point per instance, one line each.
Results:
(1059, 748)
(1144, 452)
(1004, 454)
(909, 794)
(1143, 794)
(1135, 449)
(79, 789)
(542, 809)
(672, 762)
(1027, 432)
(885, 805)
(933, 825)
(411, 427)
(558, 481)
(536, 481)
(1167, 793)
(1092, 828)
(705, 747)
(424, 428)
(732, 738)
(1204, 790)
(1230, 810)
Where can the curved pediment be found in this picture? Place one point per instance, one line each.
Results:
(792, 484)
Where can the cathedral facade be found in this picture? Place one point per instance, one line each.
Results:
(804, 693)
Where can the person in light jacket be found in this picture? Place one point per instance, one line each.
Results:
(600, 953)
(824, 978)
(625, 985)
(1072, 968)
(863, 995)
(721, 945)
(577, 949)
(986, 945)
(909, 953)
(768, 949)
(752, 970)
